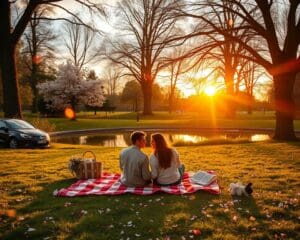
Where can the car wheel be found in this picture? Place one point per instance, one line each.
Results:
(13, 143)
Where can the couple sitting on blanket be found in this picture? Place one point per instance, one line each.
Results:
(166, 168)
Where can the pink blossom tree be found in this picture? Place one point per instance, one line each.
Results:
(71, 88)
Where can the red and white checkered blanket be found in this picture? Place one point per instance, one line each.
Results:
(109, 184)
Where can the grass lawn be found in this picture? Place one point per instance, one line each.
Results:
(29, 176)
(87, 120)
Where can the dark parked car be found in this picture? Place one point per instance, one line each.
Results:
(18, 133)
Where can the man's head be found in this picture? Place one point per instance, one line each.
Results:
(138, 139)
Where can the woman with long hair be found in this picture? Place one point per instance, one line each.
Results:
(166, 168)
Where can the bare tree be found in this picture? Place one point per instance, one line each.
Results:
(248, 76)
(111, 78)
(147, 30)
(220, 48)
(179, 65)
(10, 36)
(276, 25)
(38, 49)
(79, 43)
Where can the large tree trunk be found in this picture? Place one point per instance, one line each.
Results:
(11, 99)
(147, 93)
(284, 107)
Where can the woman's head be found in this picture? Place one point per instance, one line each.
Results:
(161, 150)
(158, 141)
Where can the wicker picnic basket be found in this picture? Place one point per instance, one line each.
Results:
(85, 168)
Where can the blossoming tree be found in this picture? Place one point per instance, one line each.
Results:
(71, 88)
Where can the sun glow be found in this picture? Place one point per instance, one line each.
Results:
(210, 90)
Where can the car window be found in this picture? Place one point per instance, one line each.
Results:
(2, 124)
(19, 124)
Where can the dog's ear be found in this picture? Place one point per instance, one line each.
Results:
(248, 188)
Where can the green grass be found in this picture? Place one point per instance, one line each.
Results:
(86, 120)
(28, 178)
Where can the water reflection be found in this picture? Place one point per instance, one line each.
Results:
(123, 140)
(259, 137)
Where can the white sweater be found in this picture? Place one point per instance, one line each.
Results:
(168, 175)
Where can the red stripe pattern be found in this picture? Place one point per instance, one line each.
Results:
(109, 184)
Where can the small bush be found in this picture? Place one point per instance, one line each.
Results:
(43, 124)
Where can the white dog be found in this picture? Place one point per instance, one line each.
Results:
(237, 189)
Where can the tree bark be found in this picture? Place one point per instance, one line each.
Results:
(147, 93)
(284, 107)
(11, 99)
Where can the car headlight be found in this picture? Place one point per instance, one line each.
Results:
(48, 137)
(23, 135)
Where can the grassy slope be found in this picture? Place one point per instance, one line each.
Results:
(28, 178)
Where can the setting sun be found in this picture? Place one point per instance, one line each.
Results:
(210, 90)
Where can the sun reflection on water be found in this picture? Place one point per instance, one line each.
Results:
(259, 137)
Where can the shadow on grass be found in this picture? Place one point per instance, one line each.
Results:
(138, 217)
(105, 217)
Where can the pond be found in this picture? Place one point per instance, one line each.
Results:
(173, 138)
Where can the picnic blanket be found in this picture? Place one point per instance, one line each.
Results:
(109, 184)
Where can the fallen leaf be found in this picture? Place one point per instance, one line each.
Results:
(11, 213)
(196, 232)
(20, 218)
(129, 224)
(31, 229)
(192, 197)
(67, 204)
(83, 212)
(100, 211)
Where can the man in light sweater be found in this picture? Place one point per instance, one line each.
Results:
(134, 163)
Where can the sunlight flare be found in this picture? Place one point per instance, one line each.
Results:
(210, 90)
(69, 113)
